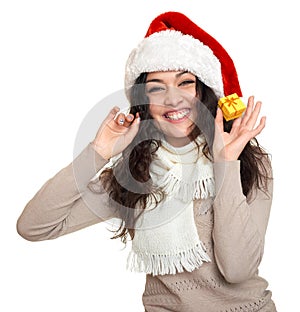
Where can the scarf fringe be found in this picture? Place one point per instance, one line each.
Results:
(168, 264)
(199, 189)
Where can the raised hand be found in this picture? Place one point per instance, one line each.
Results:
(115, 133)
(228, 146)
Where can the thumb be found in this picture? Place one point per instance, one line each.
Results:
(219, 119)
(219, 125)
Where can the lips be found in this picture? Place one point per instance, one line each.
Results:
(177, 115)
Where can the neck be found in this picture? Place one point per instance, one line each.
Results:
(177, 142)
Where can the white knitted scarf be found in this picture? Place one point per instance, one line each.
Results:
(166, 239)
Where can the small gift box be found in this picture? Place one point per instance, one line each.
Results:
(232, 106)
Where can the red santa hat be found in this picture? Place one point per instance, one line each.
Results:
(174, 42)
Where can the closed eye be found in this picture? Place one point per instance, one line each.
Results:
(187, 82)
(155, 89)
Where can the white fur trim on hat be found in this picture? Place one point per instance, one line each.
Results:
(171, 50)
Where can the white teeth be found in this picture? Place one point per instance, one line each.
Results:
(177, 115)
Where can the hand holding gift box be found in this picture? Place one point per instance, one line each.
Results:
(232, 106)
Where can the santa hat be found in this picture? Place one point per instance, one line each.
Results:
(174, 42)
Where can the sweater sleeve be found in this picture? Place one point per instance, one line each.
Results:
(65, 203)
(240, 223)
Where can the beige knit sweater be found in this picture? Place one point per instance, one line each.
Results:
(233, 232)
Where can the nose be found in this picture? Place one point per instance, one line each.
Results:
(173, 97)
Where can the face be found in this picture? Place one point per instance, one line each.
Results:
(171, 96)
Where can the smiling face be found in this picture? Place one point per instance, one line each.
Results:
(171, 103)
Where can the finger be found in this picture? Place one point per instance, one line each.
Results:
(128, 120)
(111, 115)
(236, 124)
(260, 127)
(120, 119)
(248, 111)
(133, 128)
(254, 115)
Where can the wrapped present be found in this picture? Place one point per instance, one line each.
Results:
(232, 106)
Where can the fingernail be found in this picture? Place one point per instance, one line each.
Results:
(129, 117)
(121, 121)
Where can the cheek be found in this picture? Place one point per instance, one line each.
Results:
(155, 110)
(192, 91)
(190, 96)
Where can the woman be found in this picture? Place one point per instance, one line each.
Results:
(192, 190)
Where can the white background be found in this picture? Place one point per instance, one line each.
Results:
(58, 59)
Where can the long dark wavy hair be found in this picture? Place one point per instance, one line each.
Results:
(129, 183)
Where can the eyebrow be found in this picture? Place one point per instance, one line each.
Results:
(182, 73)
(161, 81)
